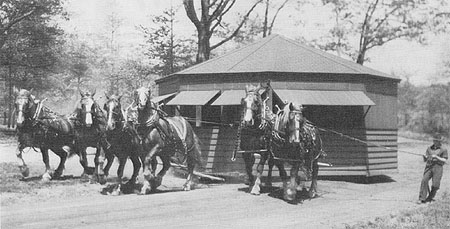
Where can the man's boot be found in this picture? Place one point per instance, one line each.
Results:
(432, 194)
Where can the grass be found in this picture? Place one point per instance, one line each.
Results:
(433, 215)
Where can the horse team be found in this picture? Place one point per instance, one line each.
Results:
(142, 132)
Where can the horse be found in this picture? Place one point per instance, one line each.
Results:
(40, 127)
(302, 147)
(90, 127)
(124, 140)
(254, 137)
(165, 137)
(287, 137)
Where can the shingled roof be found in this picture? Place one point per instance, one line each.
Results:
(280, 54)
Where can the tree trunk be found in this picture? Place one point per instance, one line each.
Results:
(203, 45)
(361, 57)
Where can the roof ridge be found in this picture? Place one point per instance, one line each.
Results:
(269, 38)
(223, 56)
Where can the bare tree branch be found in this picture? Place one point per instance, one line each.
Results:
(190, 11)
(236, 31)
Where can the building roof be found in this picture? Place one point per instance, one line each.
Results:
(279, 54)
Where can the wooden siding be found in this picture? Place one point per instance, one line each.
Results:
(347, 156)
(384, 114)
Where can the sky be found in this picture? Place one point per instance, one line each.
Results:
(88, 17)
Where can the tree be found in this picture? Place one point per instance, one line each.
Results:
(211, 16)
(169, 52)
(268, 26)
(29, 43)
(433, 110)
(382, 21)
(13, 12)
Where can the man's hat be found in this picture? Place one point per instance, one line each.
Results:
(439, 138)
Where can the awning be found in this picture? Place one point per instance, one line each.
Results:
(326, 98)
(160, 98)
(193, 97)
(230, 97)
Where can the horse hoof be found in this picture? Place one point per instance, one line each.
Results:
(188, 187)
(101, 179)
(25, 171)
(289, 194)
(117, 191)
(46, 177)
(256, 190)
(57, 174)
(312, 195)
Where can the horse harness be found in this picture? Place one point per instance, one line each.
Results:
(169, 135)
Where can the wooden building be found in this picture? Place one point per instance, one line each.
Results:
(337, 94)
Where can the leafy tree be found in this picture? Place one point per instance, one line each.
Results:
(29, 42)
(169, 52)
(407, 94)
(211, 16)
(432, 114)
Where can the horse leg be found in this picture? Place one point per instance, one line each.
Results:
(148, 170)
(22, 166)
(63, 157)
(271, 163)
(99, 160)
(189, 183)
(283, 173)
(249, 160)
(315, 174)
(256, 189)
(301, 179)
(291, 190)
(110, 159)
(136, 166)
(47, 174)
(81, 151)
(166, 165)
(122, 162)
(118, 189)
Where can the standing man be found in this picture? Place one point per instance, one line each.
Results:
(435, 157)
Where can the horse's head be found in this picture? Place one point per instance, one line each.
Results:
(294, 122)
(87, 108)
(252, 104)
(113, 110)
(142, 97)
(24, 104)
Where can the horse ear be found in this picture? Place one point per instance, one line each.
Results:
(246, 88)
(119, 98)
(81, 93)
(93, 93)
(31, 90)
(107, 97)
(15, 90)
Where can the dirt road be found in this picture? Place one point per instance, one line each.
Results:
(217, 205)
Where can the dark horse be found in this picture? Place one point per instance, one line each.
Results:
(286, 137)
(90, 127)
(124, 140)
(300, 145)
(170, 138)
(254, 137)
(42, 128)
